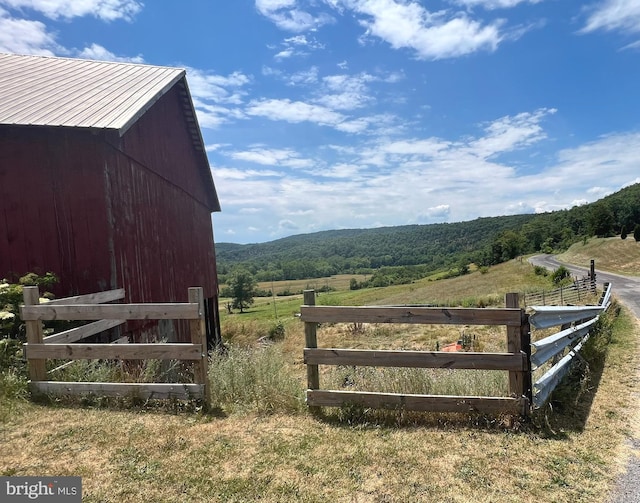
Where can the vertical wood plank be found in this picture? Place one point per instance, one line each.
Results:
(37, 368)
(311, 341)
(514, 345)
(525, 343)
(198, 331)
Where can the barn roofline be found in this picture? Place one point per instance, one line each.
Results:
(43, 91)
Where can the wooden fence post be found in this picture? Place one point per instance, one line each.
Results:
(198, 332)
(311, 341)
(518, 341)
(37, 368)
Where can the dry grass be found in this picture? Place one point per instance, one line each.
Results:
(142, 455)
(616, 255)
(569, 454)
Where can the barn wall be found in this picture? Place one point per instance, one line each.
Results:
(105, 212)
(53, 213)
(163, 240)
(161, 141)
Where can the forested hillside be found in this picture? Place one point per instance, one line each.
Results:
(421, 249)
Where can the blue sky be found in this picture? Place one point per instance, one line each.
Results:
(328, 114)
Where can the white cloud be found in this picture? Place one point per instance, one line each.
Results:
(427, 148)
(21, 36)
(408, 25)
(219, 88)
(305, 77)
(495, 4)
(217, 98)
(212, 116)
(342, 170)
(298, 45)
(272, 157)
(428, 180)
(632, 45)
(285, 15)
(612, 15)
(287, 225)
(345, 92)
(294, 111)
(331, 97)
(97, 52)
(510, 133)
(107, 10)
(440, 212)
(287, 53)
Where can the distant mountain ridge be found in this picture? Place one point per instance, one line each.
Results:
(484, 241)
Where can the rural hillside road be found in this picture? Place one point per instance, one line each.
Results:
(627, 290)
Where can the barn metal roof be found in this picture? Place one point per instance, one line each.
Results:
(80, 93)
(45, 91)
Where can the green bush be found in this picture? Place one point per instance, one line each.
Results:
(560, 275)
(11, 297)
(539, 270)
(277, 331)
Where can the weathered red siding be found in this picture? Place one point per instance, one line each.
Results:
(53, 207)
(106, 212)
(161, 141)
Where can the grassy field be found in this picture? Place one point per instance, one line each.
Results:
(616, 255)
(259, 442)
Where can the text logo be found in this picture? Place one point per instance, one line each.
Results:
(42, 489)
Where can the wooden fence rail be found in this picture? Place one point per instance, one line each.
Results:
(64, 345)
(515, 361)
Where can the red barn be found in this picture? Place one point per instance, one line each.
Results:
(104, 179)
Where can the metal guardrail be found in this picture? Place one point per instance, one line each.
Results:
(543, 387)
(547, 348)
(553, 345)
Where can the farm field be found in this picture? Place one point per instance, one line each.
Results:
(265, 445)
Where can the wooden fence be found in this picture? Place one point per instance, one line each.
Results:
(64, 345)
(515, 360)
(575, 293)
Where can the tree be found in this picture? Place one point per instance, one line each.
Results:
(242, 286)
(601, 220)
(636, 232)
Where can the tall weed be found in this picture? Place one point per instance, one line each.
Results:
(254, 379)
(418, 381)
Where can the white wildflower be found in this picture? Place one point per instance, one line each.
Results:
(6, 315)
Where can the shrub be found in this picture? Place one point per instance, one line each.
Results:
(560, 275)
(540, 270)
(277, 331)
(11, 297)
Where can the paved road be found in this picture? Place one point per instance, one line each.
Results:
(627, 290)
